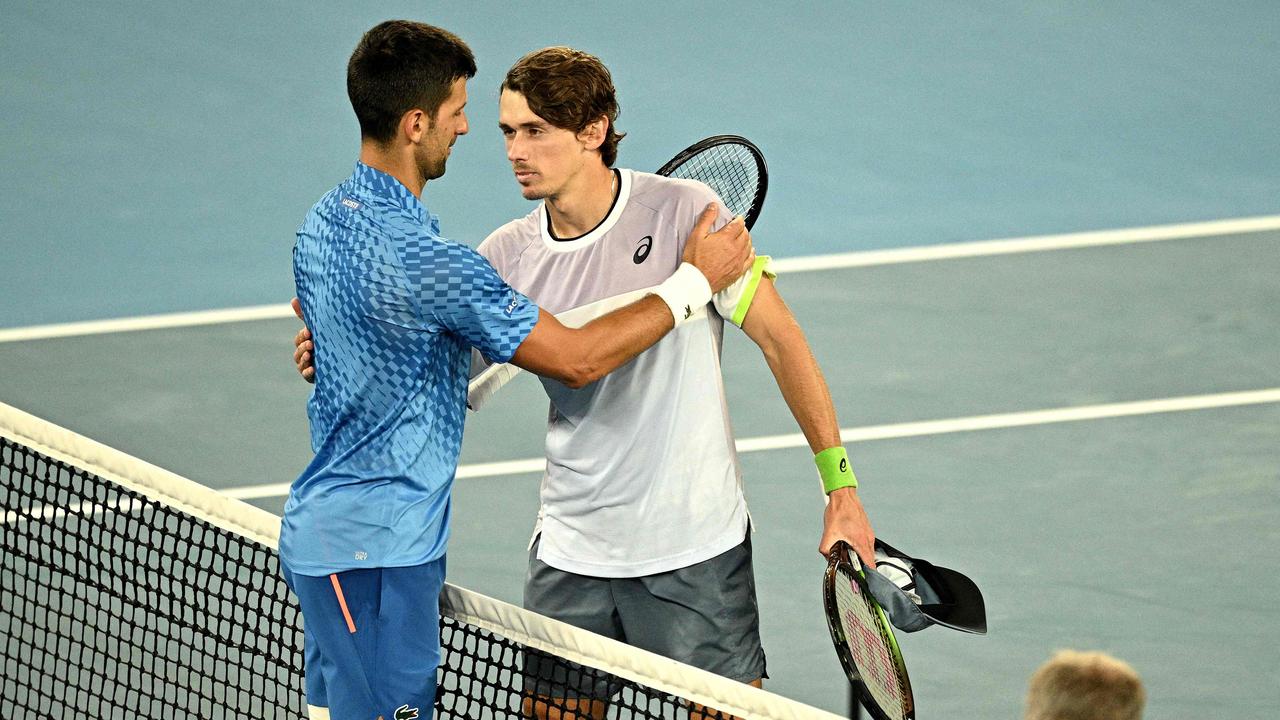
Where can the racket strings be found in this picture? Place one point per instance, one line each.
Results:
(731, 171)
(868, 647)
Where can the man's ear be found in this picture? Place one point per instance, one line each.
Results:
(592, 136)
(414, 125)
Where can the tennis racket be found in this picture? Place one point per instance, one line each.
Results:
(729, 164)
(864, 639)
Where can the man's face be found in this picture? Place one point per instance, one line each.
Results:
(544, 157)
(450, 122)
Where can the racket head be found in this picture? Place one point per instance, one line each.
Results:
(864, 640)
(732, 166)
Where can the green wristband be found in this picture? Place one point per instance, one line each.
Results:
(833, 466)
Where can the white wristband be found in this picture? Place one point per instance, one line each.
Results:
(684, 292)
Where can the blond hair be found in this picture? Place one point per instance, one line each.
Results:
(1076, 685)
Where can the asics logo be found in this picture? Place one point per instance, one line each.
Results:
(642, 252)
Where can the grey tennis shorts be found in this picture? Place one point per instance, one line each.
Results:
(703, 615)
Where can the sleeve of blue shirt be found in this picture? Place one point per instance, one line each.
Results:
(463, 293)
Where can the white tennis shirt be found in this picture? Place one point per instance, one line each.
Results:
(641, 476)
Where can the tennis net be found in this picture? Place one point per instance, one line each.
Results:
(127, 591)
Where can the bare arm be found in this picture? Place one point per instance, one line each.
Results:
(580, 356)
(772, 327)
(583, 355)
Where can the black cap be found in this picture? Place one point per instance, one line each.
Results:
(942, 596)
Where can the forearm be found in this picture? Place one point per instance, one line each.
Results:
(803, 387)
(610, 341)
(772, 327)
(580, 356)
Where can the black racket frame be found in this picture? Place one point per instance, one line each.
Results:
(840, 562)
(762, 169)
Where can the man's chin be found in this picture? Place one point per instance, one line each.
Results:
(531, 192)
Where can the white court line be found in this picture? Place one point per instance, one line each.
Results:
(147, 322)
(807, 263)
(1039, 243)
(889, 432)
(44, 513)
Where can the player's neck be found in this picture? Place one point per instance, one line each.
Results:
(396, 163)
(584, 202)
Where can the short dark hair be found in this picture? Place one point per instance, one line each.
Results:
(400, 65)
(569, 89)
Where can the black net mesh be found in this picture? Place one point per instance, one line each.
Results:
(488, 676)
(114, 605)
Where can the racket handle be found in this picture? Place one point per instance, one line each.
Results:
(489, 382)
(855, 707)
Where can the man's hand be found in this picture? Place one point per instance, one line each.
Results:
(722, 256)
(846, 520)
(302, 347)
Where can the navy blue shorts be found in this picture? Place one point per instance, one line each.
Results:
(372, 641)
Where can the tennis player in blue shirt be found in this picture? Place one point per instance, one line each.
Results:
(395, 309)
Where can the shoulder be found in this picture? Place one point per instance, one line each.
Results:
(454, 256)
(679, 194)
(343, 220)
(350, 209)
(508, 242)
(328, 208)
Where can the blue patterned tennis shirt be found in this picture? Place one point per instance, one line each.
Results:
(394, 309)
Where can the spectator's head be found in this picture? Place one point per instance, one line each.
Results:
(1085, 686)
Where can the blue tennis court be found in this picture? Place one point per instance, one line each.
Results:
(1088, 425)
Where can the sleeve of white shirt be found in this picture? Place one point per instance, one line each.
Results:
(734, 301)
